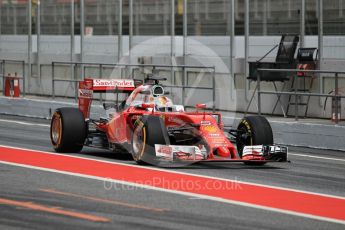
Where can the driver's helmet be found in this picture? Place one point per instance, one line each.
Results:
(163, 101)
(160, 100)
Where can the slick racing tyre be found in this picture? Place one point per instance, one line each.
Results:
(254, 130)
(68, 130)
(148, 131)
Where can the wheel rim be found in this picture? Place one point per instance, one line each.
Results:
(139, 140)
(56, 129)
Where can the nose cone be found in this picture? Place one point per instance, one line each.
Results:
(223, 152)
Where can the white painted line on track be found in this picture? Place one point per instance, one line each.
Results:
(184, 194)
(317, 157)
(24, 123)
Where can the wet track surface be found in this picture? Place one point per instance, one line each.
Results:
(88, 203)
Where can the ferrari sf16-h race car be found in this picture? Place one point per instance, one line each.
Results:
(147, 125)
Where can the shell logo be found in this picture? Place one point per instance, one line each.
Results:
(162, 116)
(209, 128)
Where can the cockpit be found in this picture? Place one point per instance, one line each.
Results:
(154, 95)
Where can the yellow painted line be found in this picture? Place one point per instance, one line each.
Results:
(54, 210)
(115, 202)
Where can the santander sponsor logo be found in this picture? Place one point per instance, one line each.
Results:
(165, 150)
(113, 83)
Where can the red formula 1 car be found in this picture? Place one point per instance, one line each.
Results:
(147, 125)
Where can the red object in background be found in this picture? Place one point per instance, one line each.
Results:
(336, 114)
(12, 88)
(309, 66)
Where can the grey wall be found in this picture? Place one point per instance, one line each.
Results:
(204, 50)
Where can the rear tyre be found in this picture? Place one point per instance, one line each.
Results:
(148, 131)
(254, 130)
(68, 130)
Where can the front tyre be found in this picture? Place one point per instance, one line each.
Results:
(68, 130)
(148, 131)
(254, 130)
(139, 142)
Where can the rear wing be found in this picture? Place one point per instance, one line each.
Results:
(90, 86)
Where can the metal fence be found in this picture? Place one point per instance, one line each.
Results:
(236, 18)
(296, 93)
(131, 67)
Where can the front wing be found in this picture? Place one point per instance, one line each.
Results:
(256, 153)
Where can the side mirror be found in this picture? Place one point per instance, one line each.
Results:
(147, 106)
(200, 106)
